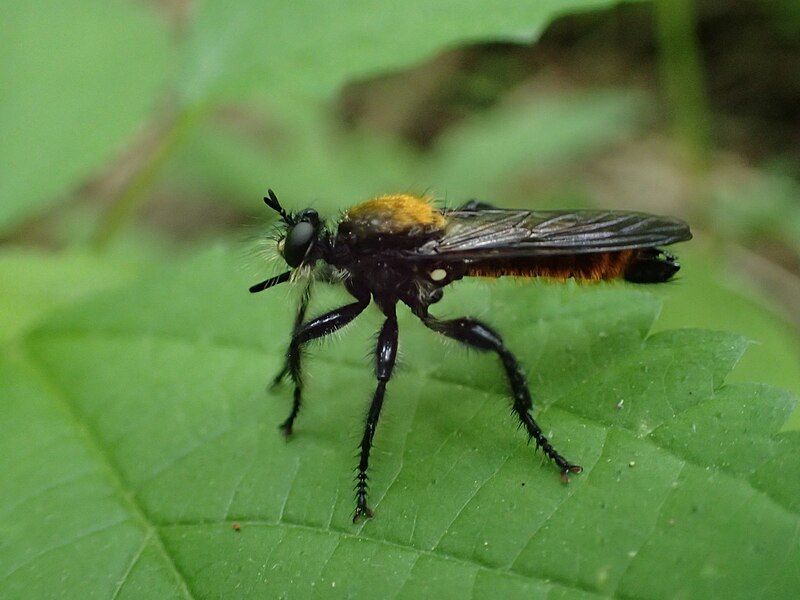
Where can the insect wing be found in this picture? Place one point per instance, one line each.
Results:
(535, 233)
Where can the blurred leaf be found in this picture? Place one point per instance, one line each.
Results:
(307, 163)
(37, 283)
(154, 436)
(297, 55)
(758, 206)
(310, 162)
(480, 156)
(307, 49)
(78, 78)
(785, 18)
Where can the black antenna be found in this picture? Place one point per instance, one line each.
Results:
(268, 283)
(271, 200)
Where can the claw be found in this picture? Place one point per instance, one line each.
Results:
(286, 429)
(570, 469)
(277, 381)
(362, 511)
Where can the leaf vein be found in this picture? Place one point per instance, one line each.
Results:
(92, 441)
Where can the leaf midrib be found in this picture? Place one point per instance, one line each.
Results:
(91, 441)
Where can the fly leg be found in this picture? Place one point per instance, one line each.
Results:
(385, 355)
(298, 321)
(316, 328)
(475, 205)
(477, 335)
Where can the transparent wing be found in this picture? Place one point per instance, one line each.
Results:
(533, 233)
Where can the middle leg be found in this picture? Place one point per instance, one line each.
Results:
(385, 355)
(477, 335)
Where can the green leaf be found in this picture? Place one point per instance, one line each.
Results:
(37, 283)
(307, 49)
(708, 293)
(482, 156)
(78, 78)
(761, 207)
(137, 432)
(236, 170)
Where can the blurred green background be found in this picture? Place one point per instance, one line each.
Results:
(139, 135)
(139, 132)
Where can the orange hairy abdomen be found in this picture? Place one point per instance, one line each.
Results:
(588, 267)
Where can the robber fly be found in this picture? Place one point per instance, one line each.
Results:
(400, 249)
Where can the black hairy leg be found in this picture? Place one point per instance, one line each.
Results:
(314, 329)
(475, 205)
(478, 335)
(302, 307)
(385, 355)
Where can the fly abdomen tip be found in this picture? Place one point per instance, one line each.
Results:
(651, 266)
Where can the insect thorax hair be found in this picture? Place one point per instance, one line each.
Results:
(327, 273)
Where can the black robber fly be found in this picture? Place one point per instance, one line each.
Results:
(400, 249)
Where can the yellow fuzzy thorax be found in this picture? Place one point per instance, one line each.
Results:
(397, 213)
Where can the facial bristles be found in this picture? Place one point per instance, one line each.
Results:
(301, 273)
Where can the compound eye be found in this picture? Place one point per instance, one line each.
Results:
(297, 243)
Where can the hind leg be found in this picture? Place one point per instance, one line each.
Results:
(475, 334)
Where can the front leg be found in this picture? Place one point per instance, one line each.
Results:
(298, 321)
(316, 328)
(385, 355)
(475, 334)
